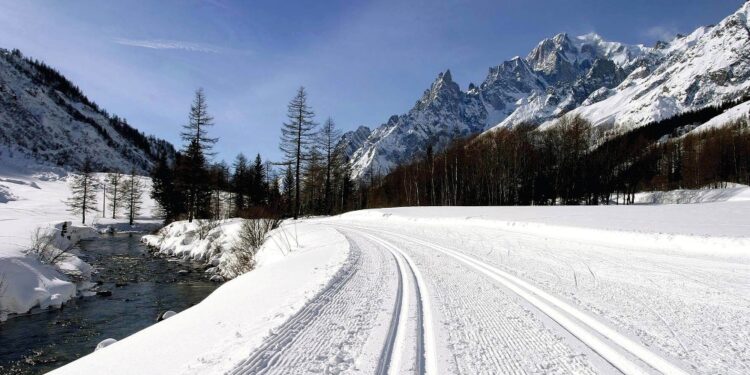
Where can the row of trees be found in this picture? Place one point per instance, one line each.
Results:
(568, 163)
(314, 176)
(565, 164)
(120, 193)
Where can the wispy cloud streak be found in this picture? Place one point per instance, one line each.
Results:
(663, 33)
(170, 44)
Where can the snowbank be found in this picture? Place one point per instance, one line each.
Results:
(714, 229)
(211, 242)
(732, 193)
(184, 240)
(27, 282)
(211, 337)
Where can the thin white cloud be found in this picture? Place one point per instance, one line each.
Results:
(170, 44)
(663, 33)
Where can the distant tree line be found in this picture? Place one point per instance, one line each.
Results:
(571, 163)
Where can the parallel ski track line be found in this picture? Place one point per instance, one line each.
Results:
(268, 353)
(389, 367)
(390, 341)
(573, 320)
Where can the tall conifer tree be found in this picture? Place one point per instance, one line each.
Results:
(296, 136)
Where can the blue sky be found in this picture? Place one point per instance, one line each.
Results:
(361, 61)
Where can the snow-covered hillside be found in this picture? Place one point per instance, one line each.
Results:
(45, 118)
(739, 112)
(579, 289)
(609, 83)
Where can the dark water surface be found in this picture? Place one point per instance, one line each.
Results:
(142, 287)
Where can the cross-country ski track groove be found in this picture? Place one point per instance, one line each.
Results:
(608, 343)
(404, 262)
(376, 316)
(340, 323)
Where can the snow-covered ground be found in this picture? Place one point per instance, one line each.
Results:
(730, 193)
(214, 335)
(34, 197)
(654, 288)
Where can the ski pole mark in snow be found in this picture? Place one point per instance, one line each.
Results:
(587, 329)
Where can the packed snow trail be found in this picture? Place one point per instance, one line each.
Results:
(340, 330)
(473, 290)
(434, 299)
(584, 327)
(658, 308)
(349, 327)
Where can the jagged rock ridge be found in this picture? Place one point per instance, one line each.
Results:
(610, 83)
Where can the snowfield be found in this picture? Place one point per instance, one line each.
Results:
(642, 289)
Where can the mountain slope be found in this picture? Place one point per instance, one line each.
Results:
(557, 76)
(609, 83)
(708, 67)
(45, 118)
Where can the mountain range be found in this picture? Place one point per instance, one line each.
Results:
(614, 85)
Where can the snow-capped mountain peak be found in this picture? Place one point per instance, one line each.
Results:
(442, 89)
(610, 83)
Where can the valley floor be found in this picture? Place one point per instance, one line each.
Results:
(608, 289)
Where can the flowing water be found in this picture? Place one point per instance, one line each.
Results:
(142, 287)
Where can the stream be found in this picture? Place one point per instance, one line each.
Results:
(142, 286)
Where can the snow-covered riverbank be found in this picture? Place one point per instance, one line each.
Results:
(31, 199)
(292, 267)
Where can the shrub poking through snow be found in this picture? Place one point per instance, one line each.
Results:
(250, 238)
(205, 226)
(48, 247)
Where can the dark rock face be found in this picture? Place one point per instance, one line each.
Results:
(353, 140)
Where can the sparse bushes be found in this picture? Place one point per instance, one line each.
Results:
(45, 246)
(254, 231)
(250, 238)
(205, 226)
